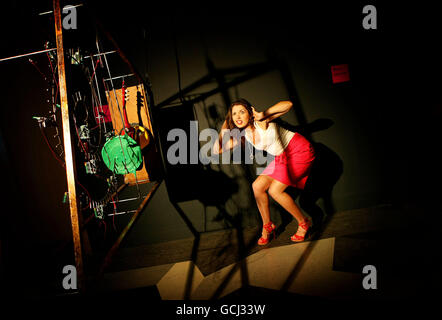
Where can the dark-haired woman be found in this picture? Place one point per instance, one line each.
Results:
(291, 166)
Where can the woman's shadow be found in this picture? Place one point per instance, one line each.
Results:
(326, 170)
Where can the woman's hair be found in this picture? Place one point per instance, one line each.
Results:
(246, 104)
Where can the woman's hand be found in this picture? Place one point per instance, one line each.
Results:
(259, 116)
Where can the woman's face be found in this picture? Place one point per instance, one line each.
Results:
(240, 116)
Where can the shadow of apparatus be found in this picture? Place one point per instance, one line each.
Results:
(326, 170)
(244, 250)
(197, 182)
(214, 194)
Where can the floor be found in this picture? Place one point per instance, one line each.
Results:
(227, 267)
(228, 264)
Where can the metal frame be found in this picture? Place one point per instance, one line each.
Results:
(107, 260)
(70, 161)
(77, 224)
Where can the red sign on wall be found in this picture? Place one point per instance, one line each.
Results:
(340, 73)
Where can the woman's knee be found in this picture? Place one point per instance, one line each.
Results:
(258, 187)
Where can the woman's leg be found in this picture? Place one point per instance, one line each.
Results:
(260, 187)
(277, 192)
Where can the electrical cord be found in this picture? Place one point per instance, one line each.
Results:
(178, 69)
(62, 163)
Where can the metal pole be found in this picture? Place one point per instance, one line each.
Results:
(27, 54)
(119, 77)
(65, 7)
(69, 160)
(100, 54)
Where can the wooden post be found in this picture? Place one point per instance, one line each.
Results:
(69, 158)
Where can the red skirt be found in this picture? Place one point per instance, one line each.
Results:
(292, 167)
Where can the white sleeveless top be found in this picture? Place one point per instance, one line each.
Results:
(273, 140)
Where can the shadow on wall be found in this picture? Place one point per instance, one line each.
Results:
(188, 181)
(326, 171)
(215, 188)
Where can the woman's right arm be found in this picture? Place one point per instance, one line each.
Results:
(231, 143)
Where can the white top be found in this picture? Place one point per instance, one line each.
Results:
(273, 140)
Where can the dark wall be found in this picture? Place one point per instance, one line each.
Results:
(379, 118)
(384, 121)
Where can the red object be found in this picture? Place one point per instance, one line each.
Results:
(106, 113)
(270, 228)
(306, 224)
(292, 167)
(340, 73)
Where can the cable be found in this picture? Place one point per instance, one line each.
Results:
(53, 74)
(36, 67)
(177, 67)
(95, 68)
(110, 78)
(98, 94)
(87, 192)
(50, 147)
(79, 139)
(62, 163)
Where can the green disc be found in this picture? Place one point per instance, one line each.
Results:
(122, 154)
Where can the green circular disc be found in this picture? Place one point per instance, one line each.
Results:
(122, 154)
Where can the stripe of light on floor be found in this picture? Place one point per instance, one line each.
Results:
(270, 268)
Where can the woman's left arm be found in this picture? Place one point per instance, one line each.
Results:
(273, 112)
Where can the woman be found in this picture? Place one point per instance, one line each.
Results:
(293, 153)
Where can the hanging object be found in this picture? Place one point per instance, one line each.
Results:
(135, 119)
(122, 155)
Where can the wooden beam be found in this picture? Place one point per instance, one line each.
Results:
(69, 157)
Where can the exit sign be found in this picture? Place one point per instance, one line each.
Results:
(340, 73)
